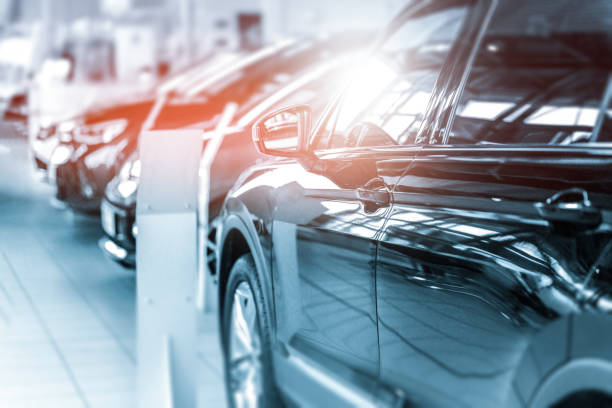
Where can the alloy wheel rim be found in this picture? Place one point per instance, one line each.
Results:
(244, 349)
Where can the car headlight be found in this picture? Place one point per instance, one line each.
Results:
(127, 188)
(46, 132)
(129, 178)
(61, 154)
(65, 130)
(135, 169)
(130, 169)
(62, 131)
(46, 122)
(102, 132)
(105, 155)
(67, 126)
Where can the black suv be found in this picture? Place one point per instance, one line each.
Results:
(442, 236)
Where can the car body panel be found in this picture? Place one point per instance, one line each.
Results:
(323, 304)
(468, 272)
(239, 221)
(325, 309)
(81, 178)
(474, 288)
(483, 298)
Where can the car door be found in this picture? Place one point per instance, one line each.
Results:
(329, 211)
(497, 233)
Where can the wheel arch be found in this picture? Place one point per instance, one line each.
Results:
(563, 358)
(238, 236)
(578, 375)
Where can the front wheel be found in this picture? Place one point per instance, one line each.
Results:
(246, 340)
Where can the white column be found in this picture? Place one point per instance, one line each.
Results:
(274, 19)
(167, 268)
(186, 21)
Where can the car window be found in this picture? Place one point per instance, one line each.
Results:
(542, 75)
(312, 88)
(388, 95)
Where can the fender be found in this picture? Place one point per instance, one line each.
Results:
(576, 375)
(237, 218)
(562, 359)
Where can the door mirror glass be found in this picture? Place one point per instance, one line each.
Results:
(284, 132)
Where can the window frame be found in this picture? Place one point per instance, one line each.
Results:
(453, 97)
(441, 85)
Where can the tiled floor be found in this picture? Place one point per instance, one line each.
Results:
(67, 314)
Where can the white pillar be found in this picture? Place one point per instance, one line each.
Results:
(274, 19)
(167, 268)
(187, 28)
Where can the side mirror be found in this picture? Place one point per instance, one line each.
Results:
(284, 132)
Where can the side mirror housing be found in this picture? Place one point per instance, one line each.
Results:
(284, 132)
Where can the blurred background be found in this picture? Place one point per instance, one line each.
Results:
(64, 51)
(79, 80)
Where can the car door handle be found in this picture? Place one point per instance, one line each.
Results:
(373, 200)
(570, 207)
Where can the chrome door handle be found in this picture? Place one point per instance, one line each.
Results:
(373, 200)
(570, 207)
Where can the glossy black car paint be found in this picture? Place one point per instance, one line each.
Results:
(459, 292)
(473, 293)
(474, 290)
(80, 182)
(236, 152)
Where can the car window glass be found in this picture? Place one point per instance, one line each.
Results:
(388, 95)
(542, 75)
(313, 89)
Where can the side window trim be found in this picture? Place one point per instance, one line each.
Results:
(464, 76)
(430, 129)
(326, 116)
(406, 13)
(605, 102)
(447, 127)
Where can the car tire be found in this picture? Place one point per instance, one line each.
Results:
(249, 378)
